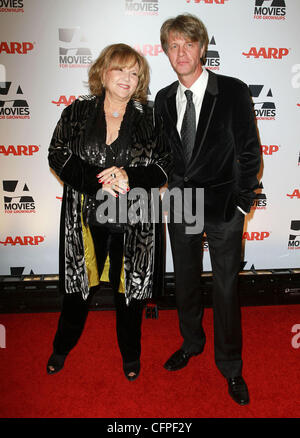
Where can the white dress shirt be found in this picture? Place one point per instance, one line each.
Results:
(198, 88)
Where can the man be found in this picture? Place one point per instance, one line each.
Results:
(215, 147)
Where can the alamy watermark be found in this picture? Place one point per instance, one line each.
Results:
(184, 206)
(296, 338)
(296, 76)
(2, 336)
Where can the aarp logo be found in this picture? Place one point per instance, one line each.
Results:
(148, 49)
(12, 48)
(266, 53)
(208, 2)
(64, 100)
(256, 235)
(22, 240)
(269, 149)
(19, 150)
(294, 195)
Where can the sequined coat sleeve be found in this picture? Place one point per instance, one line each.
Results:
(65, 155)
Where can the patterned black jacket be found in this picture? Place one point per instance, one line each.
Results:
(149, 163)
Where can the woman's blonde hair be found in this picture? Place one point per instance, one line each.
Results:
(119, 56)
(187, 25)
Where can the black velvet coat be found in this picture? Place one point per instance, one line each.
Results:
(148, 166)
(226, 157)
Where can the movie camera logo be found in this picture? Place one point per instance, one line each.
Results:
(141, 7)
(64, 100)
(270, 10)
(73, 51)
(22, 240)
(264, 106)
(19, 150)
(12, 48)
(266, 53)
(18, 200)
(14, 106)
(294, 194)
(260, 202)
(294, 237)
(11, 6)
(212, 56)
(209, 2)
(20, 270)
(244, 266)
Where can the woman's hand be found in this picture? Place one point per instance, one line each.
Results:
(114, 180)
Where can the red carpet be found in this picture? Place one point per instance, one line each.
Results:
(92, 384)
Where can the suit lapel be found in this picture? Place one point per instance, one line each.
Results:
(206, 113)
(170, 106)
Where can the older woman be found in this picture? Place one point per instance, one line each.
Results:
(106, 143)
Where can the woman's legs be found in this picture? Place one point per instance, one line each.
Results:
(128, 317)
(70, 326)
(75, 308)
(71, 321)
(128, 325)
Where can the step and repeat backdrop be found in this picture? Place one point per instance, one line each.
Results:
(46, 50)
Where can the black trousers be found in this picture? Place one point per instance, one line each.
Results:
(225, 245)
(75, 309)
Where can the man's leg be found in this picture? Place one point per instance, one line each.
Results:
(187, 250)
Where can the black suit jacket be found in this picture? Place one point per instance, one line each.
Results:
(226, 156)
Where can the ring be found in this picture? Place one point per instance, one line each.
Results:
(113, 175)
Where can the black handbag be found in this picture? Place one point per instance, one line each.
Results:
(109, 212)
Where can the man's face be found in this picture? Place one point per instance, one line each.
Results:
(185, 57)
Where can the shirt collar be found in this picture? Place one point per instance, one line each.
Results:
(198, 87)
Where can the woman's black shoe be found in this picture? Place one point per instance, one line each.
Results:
(132, 370)
(56, 362)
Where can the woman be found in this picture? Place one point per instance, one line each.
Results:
(107, 141)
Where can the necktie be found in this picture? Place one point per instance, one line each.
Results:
(188, 128)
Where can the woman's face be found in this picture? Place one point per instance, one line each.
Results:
(120, 83)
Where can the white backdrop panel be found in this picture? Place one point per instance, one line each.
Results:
(41, 66)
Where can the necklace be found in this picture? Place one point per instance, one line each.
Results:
(114, 113)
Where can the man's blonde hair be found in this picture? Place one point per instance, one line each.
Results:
(187, 25)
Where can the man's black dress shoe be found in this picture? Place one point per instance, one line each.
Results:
(238, 390)
(178, 360)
